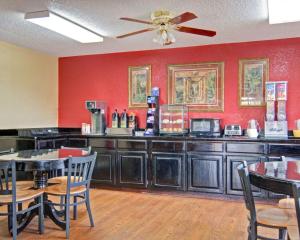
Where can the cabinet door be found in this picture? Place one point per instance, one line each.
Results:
(233, 178)
(132, 169)
(104, 171)
(205, 173)
(168, 171)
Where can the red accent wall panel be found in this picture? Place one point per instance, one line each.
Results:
(105, 77)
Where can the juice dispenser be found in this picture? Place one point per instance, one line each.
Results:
(276, 95)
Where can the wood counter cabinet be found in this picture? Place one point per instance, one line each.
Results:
(179, 163)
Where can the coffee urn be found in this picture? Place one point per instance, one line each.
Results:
(98, 111)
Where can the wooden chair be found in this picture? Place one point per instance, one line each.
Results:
(266, 217)
(294, 225)
(58, 175)
(11, 195)
(78, 185)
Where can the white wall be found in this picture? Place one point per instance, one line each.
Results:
(28, 88)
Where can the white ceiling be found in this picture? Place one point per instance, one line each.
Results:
(234, 21)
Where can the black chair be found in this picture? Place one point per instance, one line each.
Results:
(58, 175)
(294, 226)
(78, 185)
(268, 217)
(11, 195)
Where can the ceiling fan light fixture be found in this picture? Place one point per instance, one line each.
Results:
(164, 37)
(64, 26)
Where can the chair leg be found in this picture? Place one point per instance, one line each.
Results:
(9, 217)
(20, 207)
(88, 207)
(41, 215)
(252, 231)
(14, 221)
(67, 216)
(75, 208)
(61, 202)
(282, 234)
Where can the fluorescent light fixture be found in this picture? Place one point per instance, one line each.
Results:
(63, 26)
(284, 11)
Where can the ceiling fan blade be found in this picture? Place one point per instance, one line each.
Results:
(137, 32)
(135, 20)
(197, 31)
(187, 16)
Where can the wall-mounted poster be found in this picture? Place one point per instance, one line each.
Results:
(139, 85)
(253, 73)
(199, 86)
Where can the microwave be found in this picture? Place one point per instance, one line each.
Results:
(207, 127)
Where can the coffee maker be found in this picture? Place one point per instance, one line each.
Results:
(98, 111)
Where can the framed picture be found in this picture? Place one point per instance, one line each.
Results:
(199, 86)
(139, 85)
(253, 73)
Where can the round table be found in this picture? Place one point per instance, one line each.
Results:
(40, 162)
(276, 177)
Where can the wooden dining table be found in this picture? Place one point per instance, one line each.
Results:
(276, 177)
(40, 162)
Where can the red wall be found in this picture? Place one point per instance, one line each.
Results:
(104, 77)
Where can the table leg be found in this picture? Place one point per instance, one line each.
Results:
(22, 220)
(54, 214)
(40, 179)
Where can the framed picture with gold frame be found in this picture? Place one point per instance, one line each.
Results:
(200, 86)
(253, 73)
(139, 85)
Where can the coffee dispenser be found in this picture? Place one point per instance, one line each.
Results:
(98, 111)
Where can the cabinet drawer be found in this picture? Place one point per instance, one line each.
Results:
(103, 143)
(200, 146)
(167, 146)
(246, 147)
(284, 149)
(132, 144)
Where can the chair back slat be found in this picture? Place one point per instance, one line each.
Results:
(247, 191)
(58, 171)
(80, 170)
(296, 193)
(8, 179)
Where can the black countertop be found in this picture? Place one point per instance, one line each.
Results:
(75, 133)
(290, 139)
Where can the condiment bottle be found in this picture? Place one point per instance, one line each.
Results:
(124, 119)
(115, 119)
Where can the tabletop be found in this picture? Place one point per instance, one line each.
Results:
(43, 155)
(276, 177)
(281, 170)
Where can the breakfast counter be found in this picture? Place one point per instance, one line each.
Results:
(180, 163)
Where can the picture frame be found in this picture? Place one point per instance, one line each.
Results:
(199, 86)
(139, 86)
(253, 74)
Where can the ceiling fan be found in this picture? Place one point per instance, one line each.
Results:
(164, 23)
